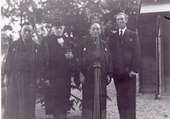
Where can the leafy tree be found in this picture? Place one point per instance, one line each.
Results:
(77, 15)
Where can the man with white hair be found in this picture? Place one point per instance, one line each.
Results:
(57, 57)
(95, 64)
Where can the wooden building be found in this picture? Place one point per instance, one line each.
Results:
(154, 35)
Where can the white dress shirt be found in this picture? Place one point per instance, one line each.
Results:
(123, 31)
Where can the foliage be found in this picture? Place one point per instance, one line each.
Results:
(77, 15)
(41, 91)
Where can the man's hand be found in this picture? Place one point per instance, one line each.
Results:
(82, 78)
(132, 73)
(47, 82)
(69, 55)
(6, 80)
(38, 82)
(108, 79)
(72, 81)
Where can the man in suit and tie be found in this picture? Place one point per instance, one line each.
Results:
(125, 52)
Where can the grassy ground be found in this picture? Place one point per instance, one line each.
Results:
(147, 107)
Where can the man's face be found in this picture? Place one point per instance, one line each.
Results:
(26, 32)
(121, 21)
(95, 30)
(58, 30)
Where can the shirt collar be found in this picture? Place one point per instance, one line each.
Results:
(122, 30)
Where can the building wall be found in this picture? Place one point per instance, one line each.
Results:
(148, 72)
(155, 66)
(165, 44)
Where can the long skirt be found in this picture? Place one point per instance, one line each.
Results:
(20, 100)
(58, 94)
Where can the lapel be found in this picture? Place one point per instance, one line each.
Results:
(125, 36)
(117, 34)
(114, 41)
(116, 37)
(119, 39)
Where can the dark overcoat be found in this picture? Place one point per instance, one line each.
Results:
(88, 55)
(21, 66)
(125, 52)
(57, 69)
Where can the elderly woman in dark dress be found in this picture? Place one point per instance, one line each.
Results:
(21, 72)
(95, 64)
(57, 55)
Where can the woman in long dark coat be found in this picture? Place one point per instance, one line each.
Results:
(95, 64)
(57, 55)
(21, 73)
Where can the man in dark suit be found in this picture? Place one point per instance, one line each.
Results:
(125, 52)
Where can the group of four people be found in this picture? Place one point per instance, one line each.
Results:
(96, 59)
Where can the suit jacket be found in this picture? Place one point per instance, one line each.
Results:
(125, 52)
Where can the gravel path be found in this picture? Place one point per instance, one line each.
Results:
(147, 107)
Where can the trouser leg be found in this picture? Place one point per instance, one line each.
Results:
(62, 115)
(87, 114)
(126, 97)
(103, 114)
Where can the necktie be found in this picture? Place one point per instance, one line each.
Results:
(120, 35)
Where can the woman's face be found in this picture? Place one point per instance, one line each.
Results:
(58, 30)
(26, 32)
(95, 30)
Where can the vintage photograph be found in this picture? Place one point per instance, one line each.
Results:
(85, 59)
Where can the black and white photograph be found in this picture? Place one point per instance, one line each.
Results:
(85, 59)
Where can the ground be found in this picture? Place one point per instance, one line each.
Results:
(147, 107)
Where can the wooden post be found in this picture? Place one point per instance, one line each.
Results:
(97, 86)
